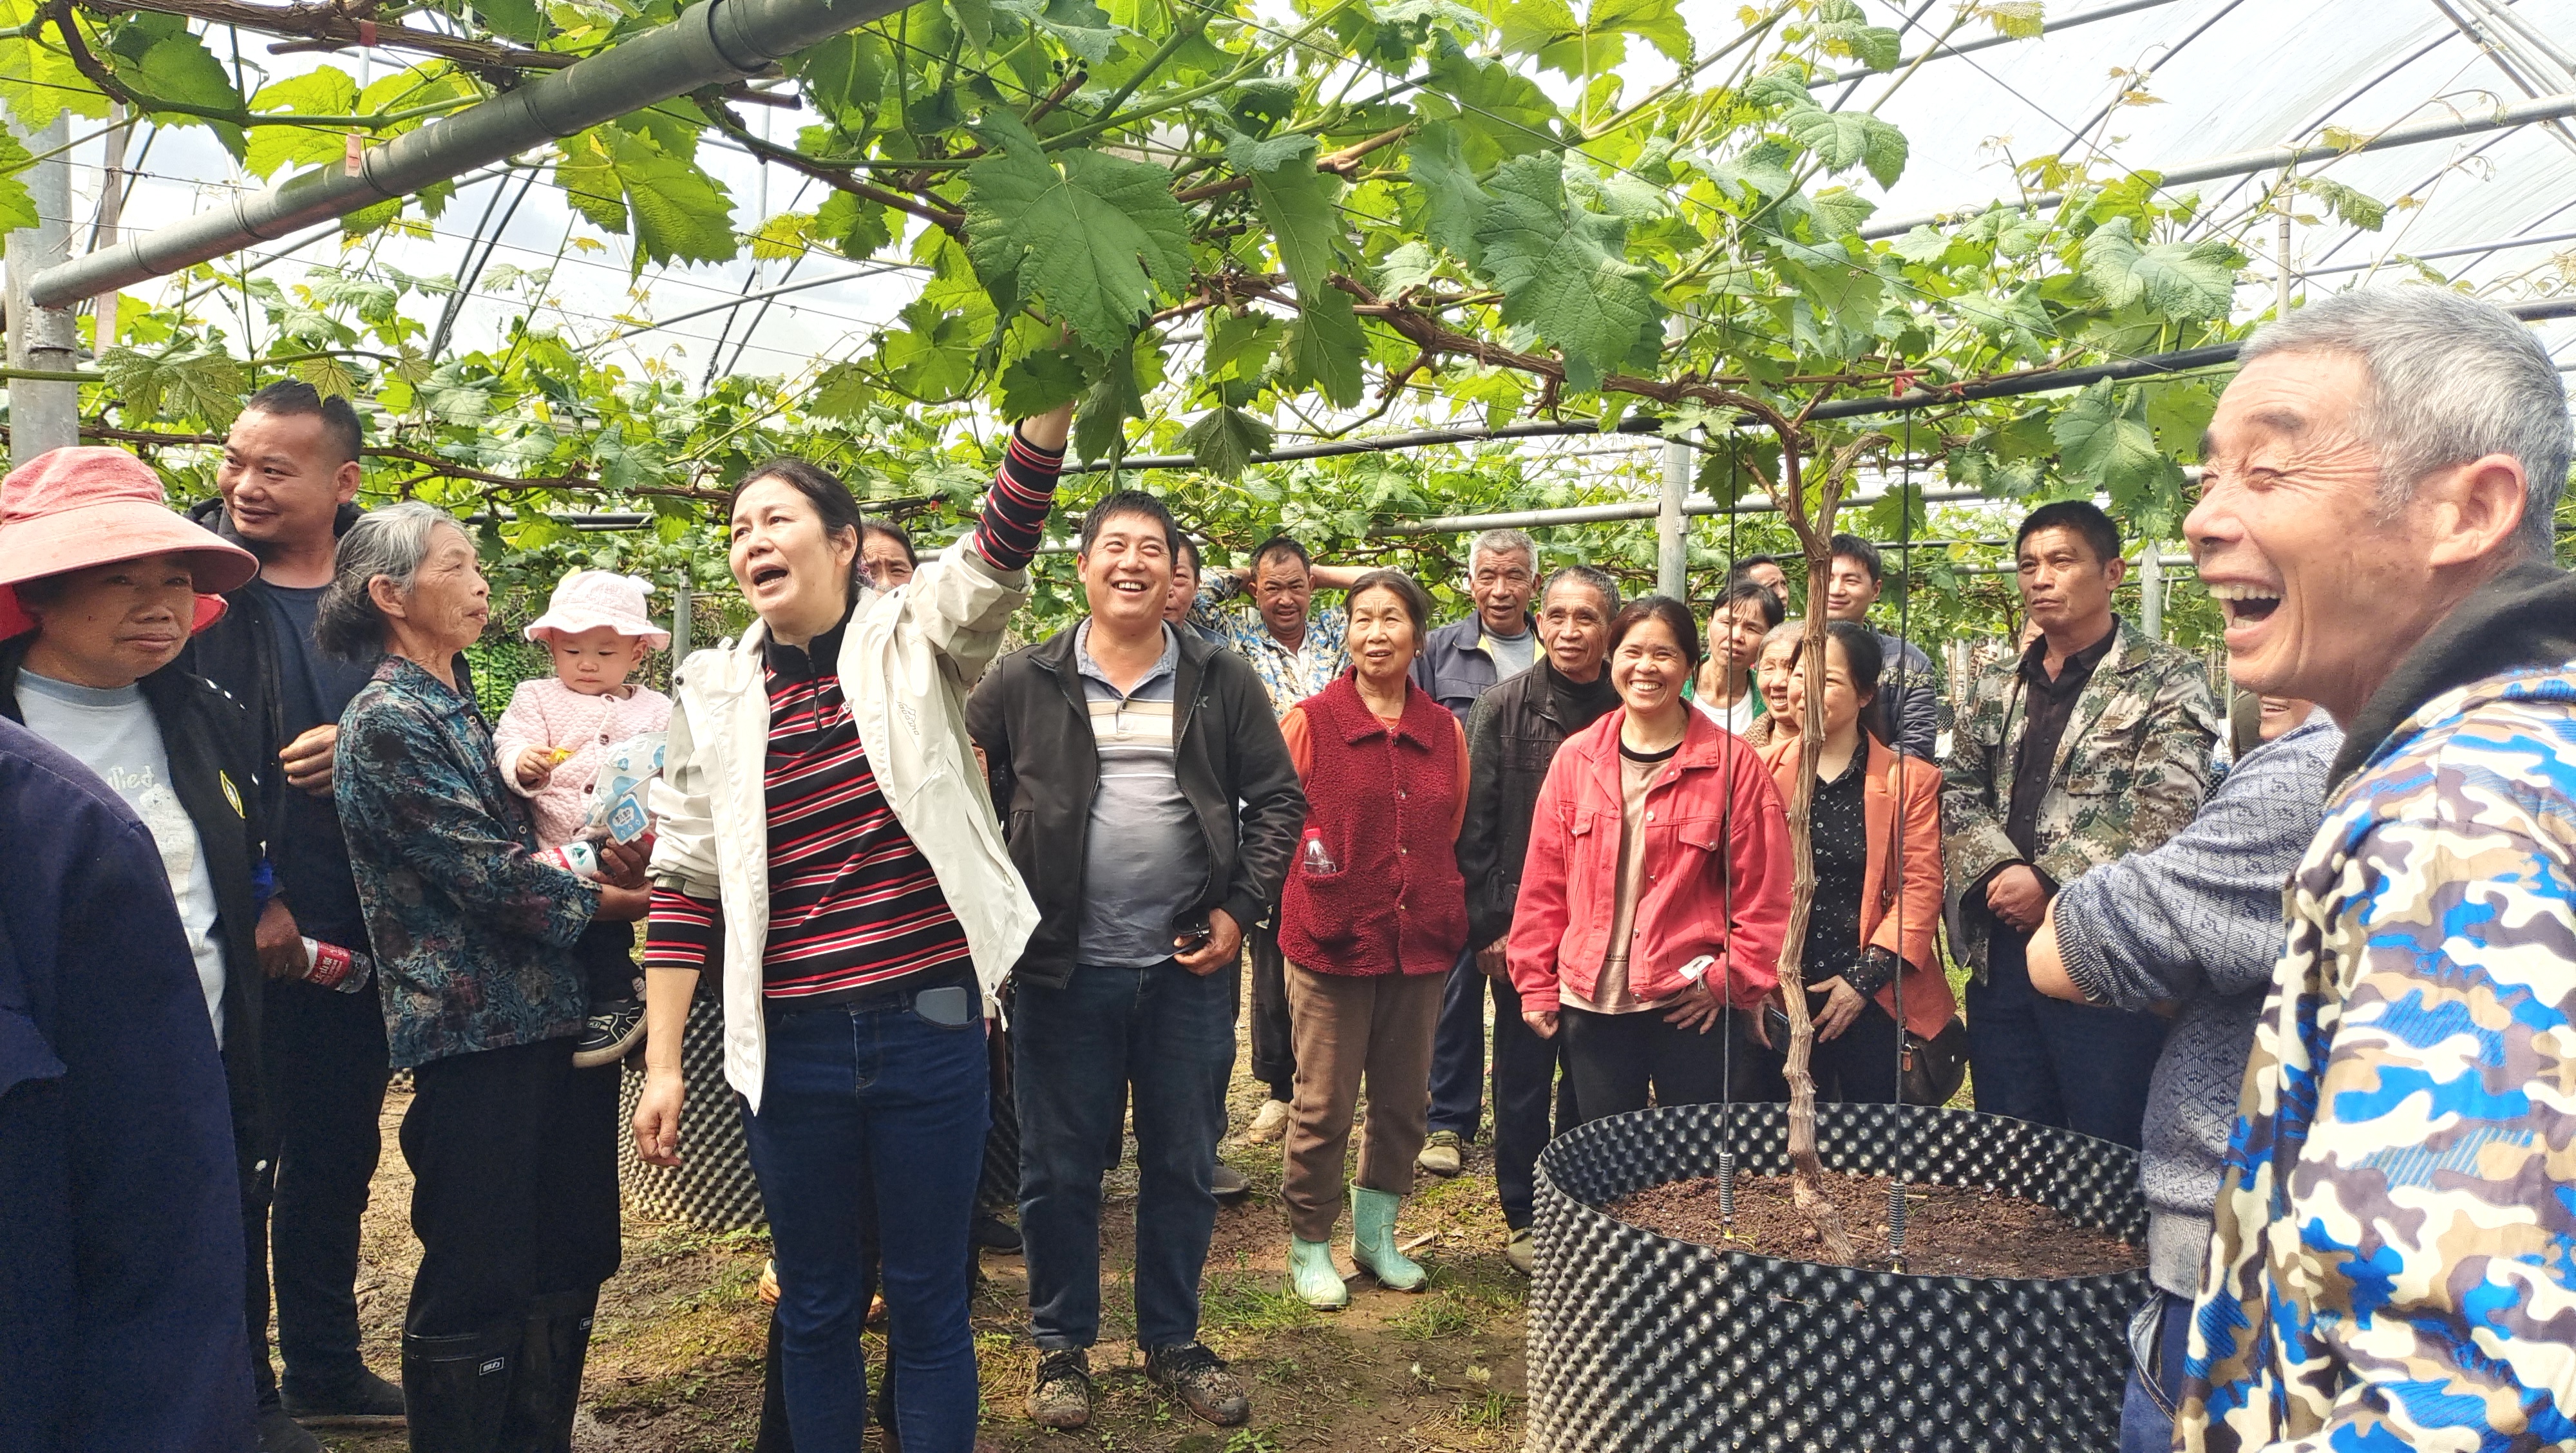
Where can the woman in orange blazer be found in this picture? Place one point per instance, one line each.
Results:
(1876, 844)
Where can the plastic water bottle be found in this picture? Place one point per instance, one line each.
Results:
(1318, 859)
(334, 967)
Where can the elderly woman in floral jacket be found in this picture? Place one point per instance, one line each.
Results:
(513, 1154)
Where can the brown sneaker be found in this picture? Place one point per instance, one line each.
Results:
(1062, 1395)
(1199, 1378)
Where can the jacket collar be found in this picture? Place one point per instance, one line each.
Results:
(2525, 617)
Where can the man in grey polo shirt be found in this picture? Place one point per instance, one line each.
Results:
(1152, 809)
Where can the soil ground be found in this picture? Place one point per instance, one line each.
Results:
(675, 1360)
(1949, 1230)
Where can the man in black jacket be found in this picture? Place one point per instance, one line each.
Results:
(1152, 811)
(1512, 736)
(289, 473)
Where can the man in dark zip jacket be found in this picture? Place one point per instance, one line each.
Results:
(1152, 811)
(289, 473)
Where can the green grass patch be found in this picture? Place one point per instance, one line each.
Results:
(1251, 1303)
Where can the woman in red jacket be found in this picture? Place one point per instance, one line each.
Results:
(1372, 916)
(1876, 841)
(1657, 887)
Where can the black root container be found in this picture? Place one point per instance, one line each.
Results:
(1638, 1341)
(712, 1187)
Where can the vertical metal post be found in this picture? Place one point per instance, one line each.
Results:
(111, 213)
(1672, 548)
(43, 414)
(2151, 590)
(2281, 274)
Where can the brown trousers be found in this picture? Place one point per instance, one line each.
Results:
(1349, 1028)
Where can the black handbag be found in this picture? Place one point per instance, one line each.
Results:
(1934, 1068)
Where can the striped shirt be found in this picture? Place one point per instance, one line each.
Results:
(853, 904)
(1146, 859)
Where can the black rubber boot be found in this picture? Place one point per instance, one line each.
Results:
(545, 1390)
(458, 1388)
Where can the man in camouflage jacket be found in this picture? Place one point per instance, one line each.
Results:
(2128, 768)
(2393, 1259)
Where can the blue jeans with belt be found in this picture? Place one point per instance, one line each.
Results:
(872, 1105)
(2159, 1337)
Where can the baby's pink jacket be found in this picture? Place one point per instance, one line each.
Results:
(546, 713)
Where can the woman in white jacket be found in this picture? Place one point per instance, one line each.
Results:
(824, 831)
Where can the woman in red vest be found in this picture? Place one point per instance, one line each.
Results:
(1656, 892)
(1373, 914)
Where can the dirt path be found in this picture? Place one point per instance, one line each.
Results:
(675, 1362)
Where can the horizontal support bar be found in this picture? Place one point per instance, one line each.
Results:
(712, 42)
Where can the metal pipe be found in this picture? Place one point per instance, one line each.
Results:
(1672, 545)
(2242, 163)
(712, 42)
(1959, 48)
(2464, 249)
(43, 413)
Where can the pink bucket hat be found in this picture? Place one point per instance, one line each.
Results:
(588, 599)
(70, 509)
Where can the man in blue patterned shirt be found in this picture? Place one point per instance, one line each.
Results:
(2393, 1259)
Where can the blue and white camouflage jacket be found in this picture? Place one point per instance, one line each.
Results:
(2394, 1258)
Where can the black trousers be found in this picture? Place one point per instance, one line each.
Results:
(1525, 1078)
(1274, 1047)
(1855, 1067)
(606, 953)
(323, 1055)
(513, 1155)
(1616, 1059)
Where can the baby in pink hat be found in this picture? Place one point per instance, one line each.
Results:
(551, 744)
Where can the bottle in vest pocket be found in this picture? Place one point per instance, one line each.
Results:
(1317, 858)
(334, 967)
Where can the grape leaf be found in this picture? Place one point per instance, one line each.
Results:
(1326, 349)
(1040, 382)
(620, 179)
(1846, 139)
(1453, 200)
(1223, 441)
(180, 68)
(1565, 272)
(1090, 238)
(1109, 404)
(841, 392)
(1298, 203)
(2107, 443)
(2182, 280)
(17, 207)
(857, 228)
(520, 20)
(783, 236)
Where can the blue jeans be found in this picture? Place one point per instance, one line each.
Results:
(872, 1106)
(2079, 1067)
(2159, 1337)
(1458, 1050)
(1075, 1051)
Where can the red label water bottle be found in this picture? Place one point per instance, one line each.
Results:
(1317, 858)
(332, 965)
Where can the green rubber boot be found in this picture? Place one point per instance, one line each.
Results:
(1373, 1241)
(1312, 1277)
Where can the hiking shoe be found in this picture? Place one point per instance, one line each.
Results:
(1230, 1184)
(366, 1401)
(1439, 1155)
(610, 1034)
(279, 1433)
(1061, 1397)
(1200, 1380)
(992, 1233)
(1521, 1251)
(1268, 1124)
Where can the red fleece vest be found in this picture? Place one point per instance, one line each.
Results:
(1382, 804)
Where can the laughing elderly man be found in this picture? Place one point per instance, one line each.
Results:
(2394, 1259)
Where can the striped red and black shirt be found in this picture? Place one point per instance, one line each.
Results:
(853, 904)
